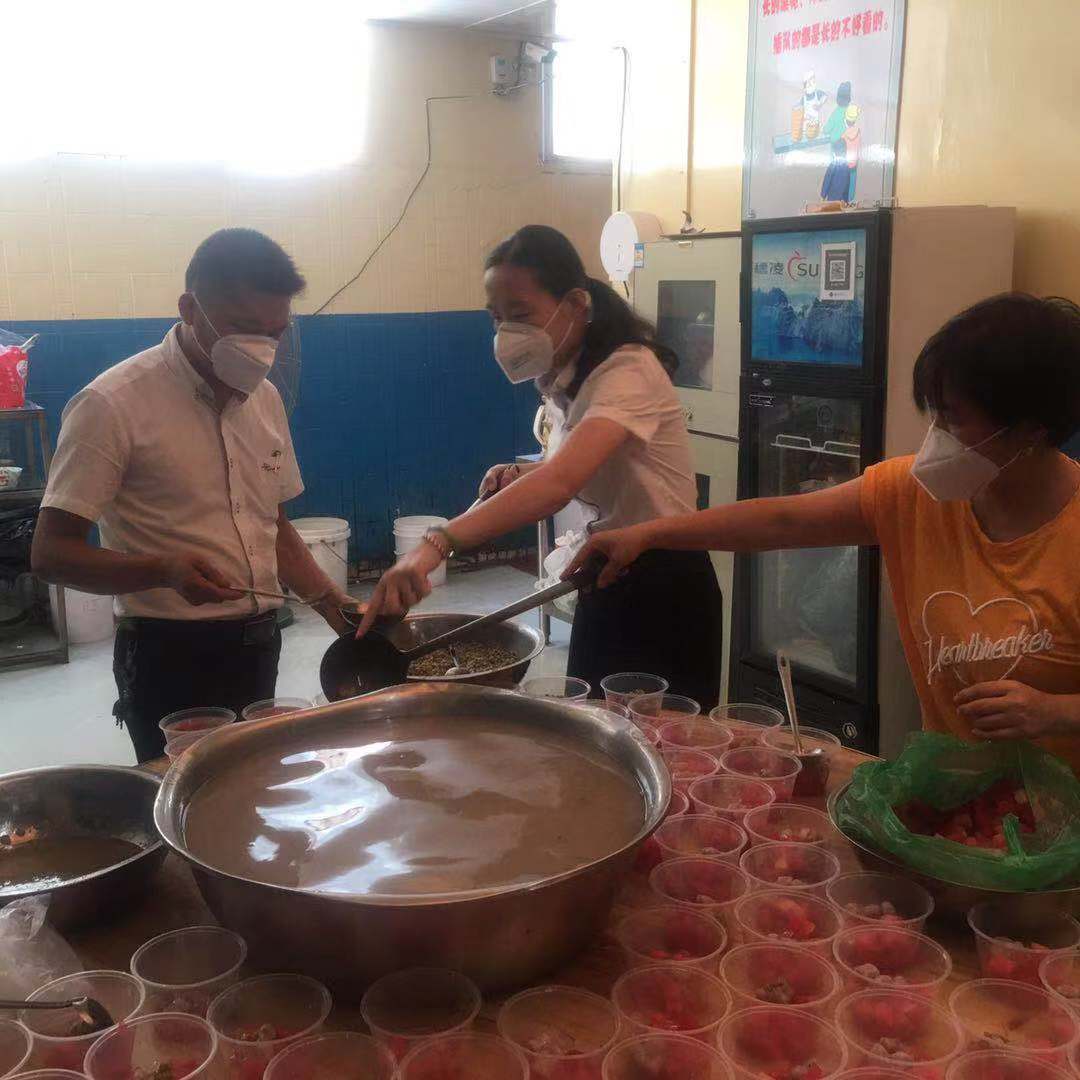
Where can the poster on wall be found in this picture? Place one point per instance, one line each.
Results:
(823, 85)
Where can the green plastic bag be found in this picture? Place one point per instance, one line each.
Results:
(945, 772)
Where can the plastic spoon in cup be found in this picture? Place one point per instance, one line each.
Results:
(783, 665)
(90, 1011)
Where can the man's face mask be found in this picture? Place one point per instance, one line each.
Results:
(240, 361)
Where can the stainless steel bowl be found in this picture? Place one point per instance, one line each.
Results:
(524, 642)
(952, 899)
(87, 800)
(501, 937)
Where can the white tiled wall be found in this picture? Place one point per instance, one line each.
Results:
(84, 237)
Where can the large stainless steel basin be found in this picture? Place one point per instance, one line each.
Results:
(502, 937)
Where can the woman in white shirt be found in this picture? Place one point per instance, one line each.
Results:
(619, 445)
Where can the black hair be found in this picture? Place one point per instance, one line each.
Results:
(558, 269)
(232, 259)
(1014, 356)
(843, 95)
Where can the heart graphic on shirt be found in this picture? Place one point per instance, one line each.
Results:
(981, 643)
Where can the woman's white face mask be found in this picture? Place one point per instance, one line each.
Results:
(240, 361)
(948, 470)
(524, 351)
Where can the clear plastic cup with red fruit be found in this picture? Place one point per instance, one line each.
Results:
(999, 1014)
(730, 797)
(701, 834)
(748, 723)
(788, 823)
(705, 885)
(997, 1065)
(1012, 941)
(894, 1029)
(772, 767)
(882, 899)
(465, 1056)
(686, 766)
(671, 934)
(780, 1043)
(664, 1057)
(1060, 974)
(765, 973)
(787, 918)
(671, 999)
(696, 733)
(878, 957)
(776, 865)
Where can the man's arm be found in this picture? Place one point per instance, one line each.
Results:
(63, 555)
(298, 570)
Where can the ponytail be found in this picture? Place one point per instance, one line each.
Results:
(558, 269)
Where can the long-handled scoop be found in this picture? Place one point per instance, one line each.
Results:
(93, 1016)
(783, 665)
(354, 666)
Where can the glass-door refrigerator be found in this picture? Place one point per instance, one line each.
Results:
(834, 310)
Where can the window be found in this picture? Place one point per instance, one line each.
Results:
(255, 85)
(582, 93)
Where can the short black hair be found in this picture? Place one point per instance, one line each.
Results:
(1014, 356)
(232, 259)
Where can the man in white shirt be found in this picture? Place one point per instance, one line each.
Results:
(182, 456)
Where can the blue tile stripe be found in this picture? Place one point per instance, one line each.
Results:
(397, 413)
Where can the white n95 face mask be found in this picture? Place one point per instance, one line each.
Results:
(947, 470)
(524, 351)
(240, 361)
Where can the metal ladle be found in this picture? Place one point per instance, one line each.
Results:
(353, 666)
(91, 1013)
(783, 666)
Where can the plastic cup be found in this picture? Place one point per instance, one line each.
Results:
(671, 998)
(892, 1029)
(672, 707)
(705, 885)
(560, 687)
(747, 723)
(770, 1040)
(52, 1074)
(187, 721)
(334, 1055)
(182, 744)
(695, 733)
(1060, 974)
(611, 707)
(1011, 942)
(872, 957)
(772, 767)
(729, 797)
(635, 686)
(406, 1007)
(679, 805)
(467, 1056)
(563, 1031)
(701, 834)
(686, 766)
(796, 867)
(999, 1014)
(664, 1057)
(764, 973)
(15, 1046)
(819, 749)
(881, 898)
(652, 736)
(257, 1018)
(787, 918)
(671, 935)
(55, 1047)
(184, 970)
(872, 1072)
(185, 1044)
(787, 823)
(275, 706)
(995, 1065)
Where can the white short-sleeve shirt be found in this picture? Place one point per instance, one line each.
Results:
(144, 452)
(650, 475)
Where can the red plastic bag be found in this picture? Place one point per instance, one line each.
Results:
(13, 372)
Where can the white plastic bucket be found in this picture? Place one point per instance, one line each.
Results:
(409, 531)
(89, 617)
(328, 540)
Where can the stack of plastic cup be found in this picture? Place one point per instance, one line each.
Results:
(564, 1032)
(184, 970)
(184, 1045)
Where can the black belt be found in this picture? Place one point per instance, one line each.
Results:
(256, 630)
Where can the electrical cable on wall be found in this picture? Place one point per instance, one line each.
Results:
(622, 124)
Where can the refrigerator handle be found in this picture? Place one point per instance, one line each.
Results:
(743, 319)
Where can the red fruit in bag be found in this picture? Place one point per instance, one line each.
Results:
(13, 374)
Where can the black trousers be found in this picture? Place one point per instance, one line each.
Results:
(664, 617)
(162, 665)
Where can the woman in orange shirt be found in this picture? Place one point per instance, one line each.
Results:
(980, 531)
